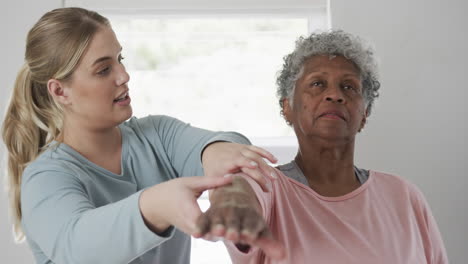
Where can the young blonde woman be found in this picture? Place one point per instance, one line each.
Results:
(85, 184)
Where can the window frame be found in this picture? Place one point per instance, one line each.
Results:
(311, 9)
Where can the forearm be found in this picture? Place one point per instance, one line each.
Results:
(185, 145)
(115, 230)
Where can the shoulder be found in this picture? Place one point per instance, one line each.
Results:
(398, 185)
(389, 179)
(153, 121)
(161, 124)
(53, 165)
(48, 176)
(47, 166)
(55, 158)
(410, 196)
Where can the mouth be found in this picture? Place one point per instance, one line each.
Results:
(122, 97)
(333, 115)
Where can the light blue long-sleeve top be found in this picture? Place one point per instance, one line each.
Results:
(77, 212)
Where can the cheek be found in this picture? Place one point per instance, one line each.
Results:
(304, 103)
(305, 112)
(83, 92)
(362, 110)
(300, 109)
(310, 104)
(359, 115)
(93, 98)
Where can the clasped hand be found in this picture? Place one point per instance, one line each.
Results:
(235, 215)
(220, 158)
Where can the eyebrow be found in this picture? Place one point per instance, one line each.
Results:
(352, 75)
(100, 60)
(313, 73)
(103, 59)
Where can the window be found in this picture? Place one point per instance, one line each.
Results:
(214, 68)
(216, 73)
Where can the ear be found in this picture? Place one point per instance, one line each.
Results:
(364, 120)
(58, 91)
(287, 111)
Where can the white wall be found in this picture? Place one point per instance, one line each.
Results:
(17, 18)
(418, 126)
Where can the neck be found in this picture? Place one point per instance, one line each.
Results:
(94, 144)
(328, 165)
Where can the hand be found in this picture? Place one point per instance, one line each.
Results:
(235, 215)
(222, 158)
(174, 202)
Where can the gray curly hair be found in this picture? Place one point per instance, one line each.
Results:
(335, 42)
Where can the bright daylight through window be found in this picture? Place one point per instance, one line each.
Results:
(214, 73)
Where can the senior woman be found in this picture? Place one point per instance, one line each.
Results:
(322, 208)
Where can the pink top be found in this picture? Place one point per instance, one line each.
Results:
(386, 220)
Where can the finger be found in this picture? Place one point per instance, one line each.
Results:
(264, 153)
(203, 226)
(232, 222)
(203, 183)
(247, 159)
(252, 225)
(266, 169)
(192, 214)
(258, 177)
(217, 227)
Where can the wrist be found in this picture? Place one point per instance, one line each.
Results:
(152, 219)
(208, 148)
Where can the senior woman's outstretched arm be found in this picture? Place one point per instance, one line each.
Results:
(235, 214)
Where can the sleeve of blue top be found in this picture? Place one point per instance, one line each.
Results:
(184, 143)
(75, 229)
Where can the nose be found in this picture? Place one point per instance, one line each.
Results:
(334, 95)
(122, 76)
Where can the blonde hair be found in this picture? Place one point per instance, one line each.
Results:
(33, 119)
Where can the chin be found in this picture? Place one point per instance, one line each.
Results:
(334, 134)
(130, 112)
(125, 115)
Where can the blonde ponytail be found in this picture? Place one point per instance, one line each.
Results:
(31, 123)
(33, 119)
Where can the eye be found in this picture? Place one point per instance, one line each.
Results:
(353, 87)
(104, 71)
(348, 87)
(121, 58)
(317, 83)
